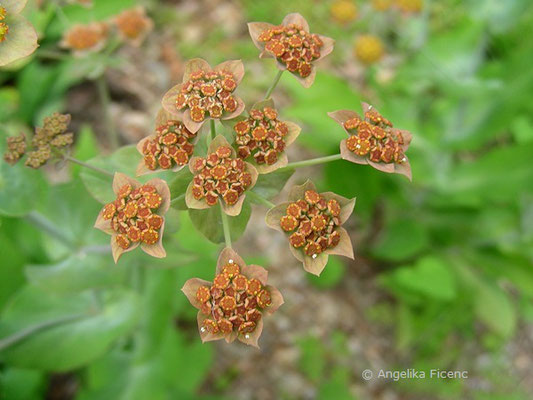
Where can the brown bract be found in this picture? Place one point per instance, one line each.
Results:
(294, 52)
(105, 224)
(316, 263)
(133, 25)
(251, 272)
(211, 185)
(176, 154)
(266, 152)
(199, 74)
(84, 39)
(390, 144)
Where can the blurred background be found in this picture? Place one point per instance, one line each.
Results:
(443, 274)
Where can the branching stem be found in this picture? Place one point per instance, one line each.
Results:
(85, 165)
(312, 161)
(260, 199)
(225, 227)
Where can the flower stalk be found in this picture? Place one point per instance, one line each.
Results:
(225, 227)
(89, 166)
(274, 84)
(312, 161)
(260, 199)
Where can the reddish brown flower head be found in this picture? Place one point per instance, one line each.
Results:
(291, 44)
(373, 140)
(262, 138)
(206, 93)
(81, 39)
(135, 217)
(133, 25)
(313, 222)
(233, 306)
(170, 147)
(220, 176)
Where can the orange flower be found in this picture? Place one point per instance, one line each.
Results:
(291, 44)
(136, 216)
(313, 222)
(82, 39)
(233, 306)
(133, 25)
(220, 175)
(206, 93)
(372, 140)
(263, 138)
(168, 149)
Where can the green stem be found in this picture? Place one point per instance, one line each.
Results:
(312, 161)
(105, 102)
(18, 336)
(178, 198)
(51, 54)
(213, 131)
(274, 84)
(85, 165)
(40, 221)
(259, 199)
(225, 227)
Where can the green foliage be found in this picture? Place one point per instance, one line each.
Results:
(209, 222)
(331, 276)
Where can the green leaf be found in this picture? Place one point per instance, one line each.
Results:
(178, 187)
(22, 384)
(489, 177)
(123, 160)
(312, 358)
(209, 222)
(12, 260)
(69, 345)
(76, 273)
(331, 276)
(269, 185)
(494, 308)
(21, 188)
(402, 239)
(86, 147)
(429, 277)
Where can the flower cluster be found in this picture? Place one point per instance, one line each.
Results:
(313, 222)
(83, 38)
(4, 29)
(232, 306)
(169, 148)
(373, 140)
(136, 215)
(219, 174)
(52, 136)
(206, 93)
(368, 49)
(263, 137)
(291, 45)
(16, 147)
(131, 25)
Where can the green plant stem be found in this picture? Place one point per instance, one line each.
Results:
(213, 131)
(51, 54)
(85, 165)
(225, 226)
(274, 84)
(40, 221)
(260, 199)
(312, 161)
(105, 103)
(178, 198)
(23, 334)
